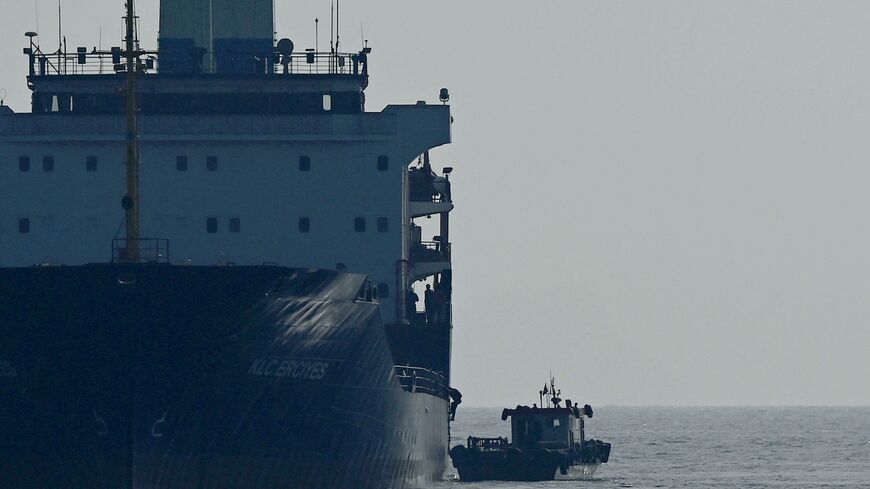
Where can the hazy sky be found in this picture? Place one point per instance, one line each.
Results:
(663, 202)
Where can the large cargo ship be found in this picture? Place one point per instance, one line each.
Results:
(210, 267)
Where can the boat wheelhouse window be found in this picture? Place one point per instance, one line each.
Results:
(327, 102)
(556, 423)
(304, 163)
(383, 290)
(359, 224)
(304, 225)
(181, 163)
(383, 225)
(24, 163)
(211, 163)
(383, 163)
(211, 225)
(24, 225)
(235, 225)
(48, 163)
(91, 163)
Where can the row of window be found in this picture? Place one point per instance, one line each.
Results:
(48, 163)
(304, 225)
(234, 225)
(181, 163)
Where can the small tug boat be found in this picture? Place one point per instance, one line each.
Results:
(548, 443)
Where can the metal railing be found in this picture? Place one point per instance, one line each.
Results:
(102, 62)
(85, 62)
(150, 250)
(418, 379)
(314, 63)
(430, 252)
(428, 187)
(487, 443)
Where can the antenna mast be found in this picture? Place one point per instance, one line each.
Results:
(59, 36)
(130, 202)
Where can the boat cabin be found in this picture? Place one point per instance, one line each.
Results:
(553, 428)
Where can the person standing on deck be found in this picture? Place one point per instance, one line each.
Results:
(430, 302)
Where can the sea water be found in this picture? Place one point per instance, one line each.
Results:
(751, 447)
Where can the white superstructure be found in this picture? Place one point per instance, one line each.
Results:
(250, 169)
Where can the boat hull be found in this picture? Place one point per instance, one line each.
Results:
(182, 377)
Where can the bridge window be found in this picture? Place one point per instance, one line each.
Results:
(211, 163)
(304, 225)
(304, 163)
(383, 290)
(24, 225)
(48, 163)
(383, 163)
(24, 163)
(383, 225)
(211, 225)
(91, 163)
(359, 224)
(235, 225)
(181, 163)
(327, 102)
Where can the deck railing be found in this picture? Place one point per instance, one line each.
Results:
(419, 379)
(103, 62)
(150, 250)
(430, 252)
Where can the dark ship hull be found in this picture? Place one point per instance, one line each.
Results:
(159, 376)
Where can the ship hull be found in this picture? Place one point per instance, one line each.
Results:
(205, 377)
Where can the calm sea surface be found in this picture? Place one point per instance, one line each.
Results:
(709, 447)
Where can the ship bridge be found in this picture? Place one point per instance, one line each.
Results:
(92, 82)
(215, 57)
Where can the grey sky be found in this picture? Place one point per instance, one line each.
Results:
(661, 202)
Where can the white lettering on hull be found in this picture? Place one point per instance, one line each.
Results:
(7, 370)
(286, 368)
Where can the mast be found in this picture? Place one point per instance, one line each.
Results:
(131, 198)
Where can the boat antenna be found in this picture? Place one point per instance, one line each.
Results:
(331, 35)
(337, 24)
(36, 8)
(59, 35)
(316, 35)
(130, 202)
